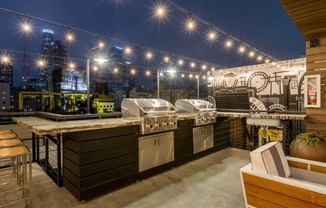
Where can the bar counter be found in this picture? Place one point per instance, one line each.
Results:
(94, 156)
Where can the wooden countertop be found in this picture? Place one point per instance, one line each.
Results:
(41, 126)
(263, 115)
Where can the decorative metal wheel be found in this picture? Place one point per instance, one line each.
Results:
(230, 80)
(259, 80)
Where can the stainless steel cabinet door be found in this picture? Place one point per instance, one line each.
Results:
(203, 138)
(155, 150)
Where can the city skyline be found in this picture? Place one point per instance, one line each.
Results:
(158, 37)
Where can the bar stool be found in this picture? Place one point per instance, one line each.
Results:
(21, 157)
(5, 131)
(10, 143)
(8, 136)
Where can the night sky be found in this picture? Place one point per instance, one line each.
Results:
(262, 24)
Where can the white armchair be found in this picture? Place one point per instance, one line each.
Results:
(273, 180)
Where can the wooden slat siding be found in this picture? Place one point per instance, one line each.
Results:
(321, 72)
(277, 198)
(316, 127)
(316, 57)
(316, 111)
(313, 66)
(298, 165)
(316, 119)
(316, 50)
(318, 169)
(285, 189)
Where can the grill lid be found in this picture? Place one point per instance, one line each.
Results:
(193, 106)
(131, 107)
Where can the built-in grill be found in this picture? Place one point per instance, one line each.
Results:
(203, 111)
(158, 115)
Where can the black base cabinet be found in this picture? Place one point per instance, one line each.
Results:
(99, 160)
(183, 142)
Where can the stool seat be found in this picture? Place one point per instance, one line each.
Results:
(5, 131)
(13, 151)
(10, 143)
(8, 136)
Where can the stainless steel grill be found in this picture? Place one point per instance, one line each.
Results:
(204, 112)
(157, 115)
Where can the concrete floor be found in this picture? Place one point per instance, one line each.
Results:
(212, 181)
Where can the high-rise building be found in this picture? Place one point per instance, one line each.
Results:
(55, 55)
(124, 79)
(4, 96)
(6, 73)
(46, 50)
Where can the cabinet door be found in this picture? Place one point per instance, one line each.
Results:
(147, 152)
(209, 137)
(165, 148)
(199, 138)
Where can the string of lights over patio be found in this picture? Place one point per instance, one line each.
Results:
(149, 53)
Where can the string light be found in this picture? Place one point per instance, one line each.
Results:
(203, 67)
(190, 25)
(182, 75)
(72, 65)
(26, 27)
(166, 59)
(148, 73)
(211, 36)
(128, 50)
(70, 37)
(149, 55)
(180, 62)
(259, 58)
(242, 49)
(251, 54)
(95, 68)
(115, 70)
(267, 60)
(133, 71)
(228, 44)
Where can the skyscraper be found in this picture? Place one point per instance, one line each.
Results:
(55, 55)
(48, 37)
(6, 73)
(123, 80)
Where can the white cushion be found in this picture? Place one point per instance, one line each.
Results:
(270, 159)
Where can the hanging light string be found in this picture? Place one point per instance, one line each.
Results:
(242, 44)
(40, 62)
(70, 28)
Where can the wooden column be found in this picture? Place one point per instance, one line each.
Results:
(316, 64)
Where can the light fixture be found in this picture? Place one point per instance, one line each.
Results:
(115, 70)
(267, 60)
(242, 49)
(133, 71)
(148, 73)
(166, 59)
(259, 58)
(192, 65)
(95, 68)
(72, 65)
(70, 37)
(204, 67)
(228, 44)
(128, 50)
(180, 62)
(149, 55)
(251, 54)
(182, 75)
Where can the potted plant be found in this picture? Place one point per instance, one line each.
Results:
(311, 146)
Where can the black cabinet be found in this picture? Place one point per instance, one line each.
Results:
(99, 160)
